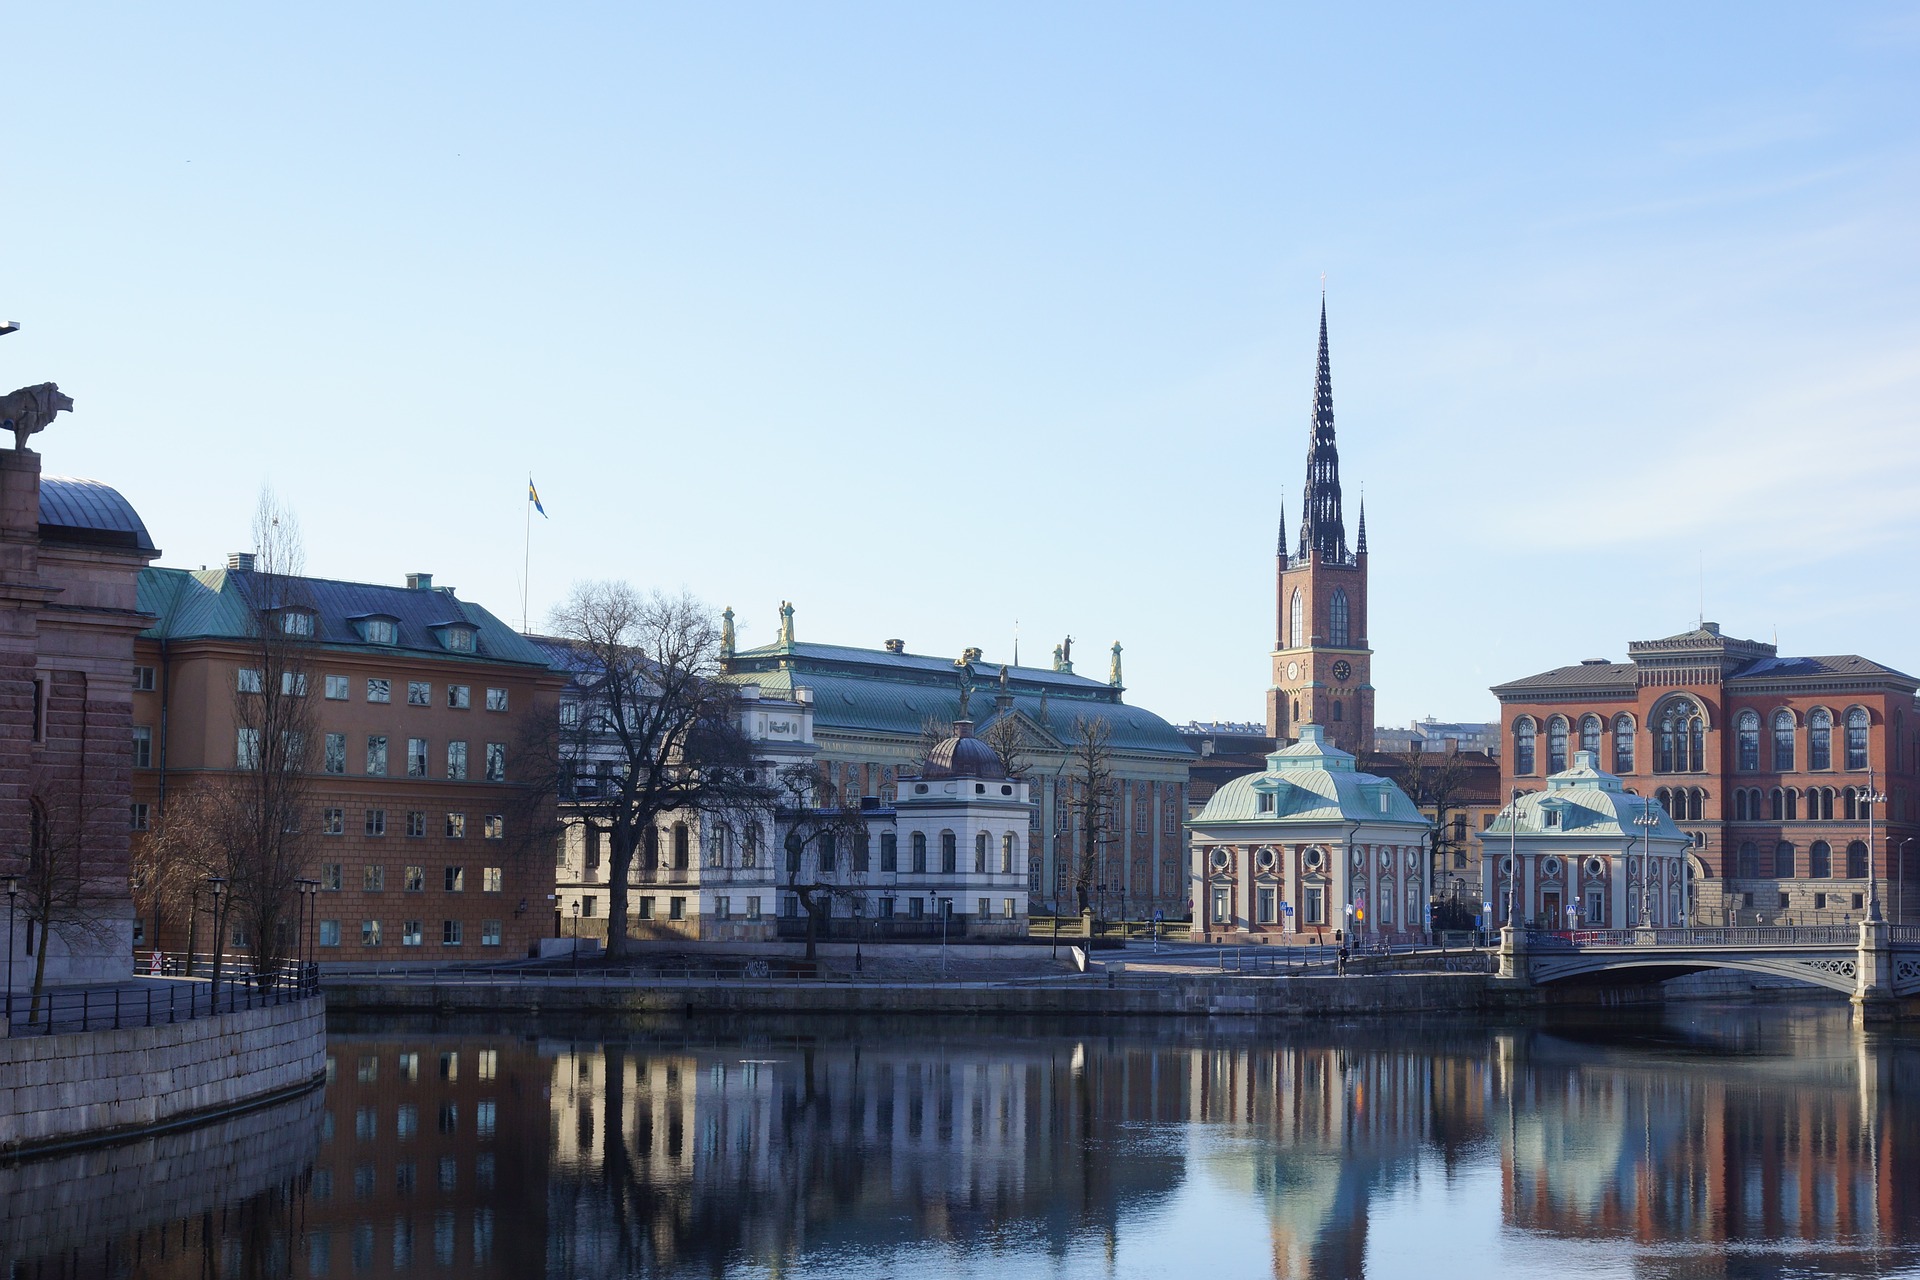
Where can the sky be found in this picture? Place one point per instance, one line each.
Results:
(962, 323)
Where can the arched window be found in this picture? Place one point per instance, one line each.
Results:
(650, 849)
(1820, 860)
(1899, 731)
(980, 853)
(1623, 744)
(1006, 853)
(1857, 860)
(1777, 804)
(1590, 736)
(1850, 807)
(1747, 737)
(1857, 738)
(1819, 802)
(1740, 813)
(1296, 711)
(1783, 741)
(1337, 628)
(829, 853)
(1793, 804)
(1556, 744)
(1681, 744)
(1748, 865)
(1523, 736)
(1820, 738)
(1696, 804)
(920, 851)
(949, 853)
(1297, 621)
(1783, 861)
(679, 846)
(1339, 712)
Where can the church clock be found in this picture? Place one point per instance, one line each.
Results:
(1342, 670)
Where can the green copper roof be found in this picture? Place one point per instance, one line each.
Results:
(1587, 802)
(1311, 782)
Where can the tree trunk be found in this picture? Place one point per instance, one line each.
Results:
(39, 975)
(813, 925)
(619, 869)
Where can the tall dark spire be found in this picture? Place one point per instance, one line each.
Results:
(1321, 527)
(1360, 546)
(1281, 550)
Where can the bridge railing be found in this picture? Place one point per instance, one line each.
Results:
(1753, 936)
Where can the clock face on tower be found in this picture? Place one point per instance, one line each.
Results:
(1341, 670)
(1293, 671)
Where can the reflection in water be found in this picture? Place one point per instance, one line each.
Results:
(872, 1149)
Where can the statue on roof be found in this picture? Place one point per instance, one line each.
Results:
(1113, 675)
(30, 409)
(786, 622)
(726, 632)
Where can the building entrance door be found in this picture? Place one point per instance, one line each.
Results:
(1550, 908)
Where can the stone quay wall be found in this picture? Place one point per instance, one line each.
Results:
(92, 1086)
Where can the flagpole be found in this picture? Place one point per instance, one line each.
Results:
(526, 559)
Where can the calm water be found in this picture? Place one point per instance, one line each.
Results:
(1711, 1142)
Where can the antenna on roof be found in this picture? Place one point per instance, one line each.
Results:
(1016, 642)
(1703, 585)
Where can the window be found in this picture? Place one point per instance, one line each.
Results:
(143, 679)
(1820, 863)
(1623, 744)
(862, 852)
(1747, 741)
(1339, 711)
(1006, 908)
(142, 747)
(374, 879)
(337, 688)
(1747, 867)
(249, 679)
(720, 907)
(1783, 741)
(1857, 860)
(1820, 739)
(490, 879)
(1297, 624)
(980, 855)
(449, 933)
(494, 827)
(986, 908)
(1783, 861)
(1523, 738)
(919, 852)
(139, 817)
(1819, 902)
(1556, 744)
(916, 908)
(1337, 628)
(379, 690)
(1266, 802)
(457, 639)
(369, 933)
(333, 822)
(329, 933)
(459, 696)
(331, 879)
(246, 749)
(1264, 908)
(676, 908)
(1316, 905)
(1590, 736)
(889, 851)
(417, 823)
(496, 699)
(646, 907)
(489, 937)
(416, 757)
(1857, 738)
(335, 755)
(496, 762)
(1006, 853)
(376, 755)
(1680, 746)
(457, 761)
(419, 693)
(588, 904)
(293, 684)
(949, 853)
(411, 934)
(456, 879)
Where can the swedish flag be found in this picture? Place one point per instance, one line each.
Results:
(533, 496)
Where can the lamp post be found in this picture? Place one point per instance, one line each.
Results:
(1647, 819)
(13, 891)
(1513, 856)
(1870, 798)
(309, 908)
(218, 884)
(576, 936)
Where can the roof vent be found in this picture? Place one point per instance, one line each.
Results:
(896, 646)
(1595, 662)
(240, 561)
(1711, 628)
(419, 582)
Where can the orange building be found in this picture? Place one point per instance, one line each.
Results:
(428, 839)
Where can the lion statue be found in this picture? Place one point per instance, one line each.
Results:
(30, 409)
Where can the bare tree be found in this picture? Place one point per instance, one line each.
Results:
(1436, 782)
(651, 721)
(61, 895)
(1092, 799)
(1011, 742)
(826, 844)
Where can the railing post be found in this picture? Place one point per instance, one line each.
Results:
(116, 1008)
(86, 1009)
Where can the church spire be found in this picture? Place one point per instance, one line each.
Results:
(1360, 547)
(1322, 528)
(1281, 550)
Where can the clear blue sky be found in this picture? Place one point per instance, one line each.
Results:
(931, 318)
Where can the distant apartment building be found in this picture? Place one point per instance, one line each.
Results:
(429, 837)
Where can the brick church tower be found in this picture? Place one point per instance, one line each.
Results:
(1322, 667)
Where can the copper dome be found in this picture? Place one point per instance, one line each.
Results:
(962, 756)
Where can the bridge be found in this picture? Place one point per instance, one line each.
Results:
(1875, 963)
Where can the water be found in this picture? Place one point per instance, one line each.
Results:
(1712, 1141)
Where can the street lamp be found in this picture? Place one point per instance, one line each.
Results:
(309, 908)
(13, 891)
(576, 936)
(1513, 856)
(1870, 798)
(218, 884)
(1647, 819)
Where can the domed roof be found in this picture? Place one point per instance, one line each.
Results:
(962, 756)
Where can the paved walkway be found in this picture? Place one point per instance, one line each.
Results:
(142, 1001)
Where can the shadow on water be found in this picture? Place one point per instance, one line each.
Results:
(1718, 1140)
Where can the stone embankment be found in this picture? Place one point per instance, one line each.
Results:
(83, 1087)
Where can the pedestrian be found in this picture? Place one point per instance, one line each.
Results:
(1343, 959)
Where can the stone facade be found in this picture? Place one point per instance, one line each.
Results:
(70, 555)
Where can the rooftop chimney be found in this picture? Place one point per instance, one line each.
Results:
(419, 582)
(896, 646)
(240, 561)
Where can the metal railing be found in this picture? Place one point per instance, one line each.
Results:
(1745, 936)
(148, 1002)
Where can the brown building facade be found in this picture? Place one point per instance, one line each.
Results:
(429, 837)
(1767, 762)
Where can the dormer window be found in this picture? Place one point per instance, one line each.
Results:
(457, 637)
(1266, 802)
(1553, 818)
(296, 622)
(378, 630)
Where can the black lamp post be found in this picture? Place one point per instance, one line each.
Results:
(576, 936)
(218, 884)
(13, 891)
